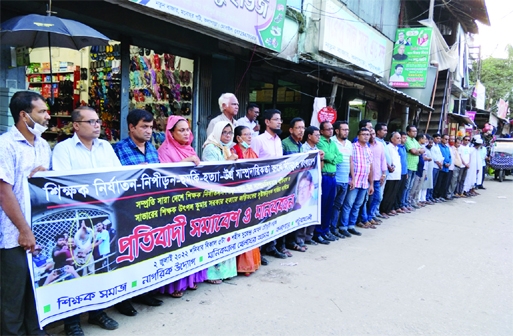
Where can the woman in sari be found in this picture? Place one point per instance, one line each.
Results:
(250, 261)
(217, 148)
(177, 148)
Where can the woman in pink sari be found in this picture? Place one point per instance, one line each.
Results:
(177, 148)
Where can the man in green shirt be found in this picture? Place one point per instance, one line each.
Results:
(413, 150)
(332, 157)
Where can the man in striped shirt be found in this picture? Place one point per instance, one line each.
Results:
(361, 183)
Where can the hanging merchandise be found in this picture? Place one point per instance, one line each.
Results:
(105, 87)
(162, 85)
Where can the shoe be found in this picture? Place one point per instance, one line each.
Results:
(415, 206)
(410, 208)
(311, 242)
(104, 321)
(337, 234)
(354, 232)
(376, 221)
(441, 199)
(456, 196)
(449, 198)
(263, 261)
(329, 237)
(321, 240)
(344, 233)
(277, 254)
(481, 187)
(147, 299)
(126, 308)
(73, 329)
(382, 215)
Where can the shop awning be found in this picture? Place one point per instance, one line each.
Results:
(461, 119)
(360, 78)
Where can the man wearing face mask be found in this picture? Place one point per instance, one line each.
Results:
(22, 152)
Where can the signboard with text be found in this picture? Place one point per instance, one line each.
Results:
(257, 21)
(349, 38)
(410, 59)
(104, 236)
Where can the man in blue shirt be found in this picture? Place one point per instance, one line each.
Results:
(135, 150)
(400, 201)
(442, 183)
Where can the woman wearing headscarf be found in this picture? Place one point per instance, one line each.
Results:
(217, 148)
(218, 144)
(250, 261)
(177, 148)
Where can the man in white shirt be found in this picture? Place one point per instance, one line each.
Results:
(464, 151)
(22, 153)
(86, 151)
(438, 160)
(84, 242)
(229, 106)
(250, 120)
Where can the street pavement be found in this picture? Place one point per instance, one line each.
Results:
(445, 269)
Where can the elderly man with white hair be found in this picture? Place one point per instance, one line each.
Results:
(229, 106)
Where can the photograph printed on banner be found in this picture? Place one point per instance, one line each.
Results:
(73, 243)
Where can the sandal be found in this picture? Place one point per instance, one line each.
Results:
(361, 225)
(298, 248)
(286, 252)
(177, 294)
(194, 287)
(214, 282)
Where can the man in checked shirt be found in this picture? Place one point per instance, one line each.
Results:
(137, 149)
(361, 183)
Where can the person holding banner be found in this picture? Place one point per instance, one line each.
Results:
(22, 152)
(250, 261)
(268, 145)
(177, 148)
(217, 148)
(85, 151)
(135, 150)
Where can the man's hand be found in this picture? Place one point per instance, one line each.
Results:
(37, 169)
(391, 169)
(371, 190)
(422, 151)
(233, 157)
(351, 185)
(382, 180)
(321, 153)
(256, 128)
(27, 240)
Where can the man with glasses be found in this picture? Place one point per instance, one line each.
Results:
(332, 158)
(268, 145)
(345, 147)
(85, 151)
(22, 152)
(229, 106)
(250, 120)
(292, 145)
(360, 185)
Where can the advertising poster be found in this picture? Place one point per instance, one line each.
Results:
(257, 21)
(410, 59)
(104, 236)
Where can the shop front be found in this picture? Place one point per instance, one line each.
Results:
(164, 61)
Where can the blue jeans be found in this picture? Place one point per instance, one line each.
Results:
(409, 185)
(352, 204)
(329, 185)
(341, 192)
(375, 200)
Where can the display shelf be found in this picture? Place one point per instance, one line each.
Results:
(48, 73)
(40, 83)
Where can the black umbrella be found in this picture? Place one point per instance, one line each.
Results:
(35, 31)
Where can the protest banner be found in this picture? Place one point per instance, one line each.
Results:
(108, 235)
